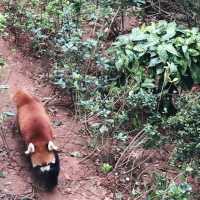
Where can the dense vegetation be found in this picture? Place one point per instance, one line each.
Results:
(124, 83)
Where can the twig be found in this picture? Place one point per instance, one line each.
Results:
(127, 148)
(88, 156)
(113, 19)
(134, 167)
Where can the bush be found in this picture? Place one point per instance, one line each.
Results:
(159, 54)
(184, 131)
(165, 189)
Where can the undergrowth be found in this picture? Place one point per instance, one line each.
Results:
(183, 131)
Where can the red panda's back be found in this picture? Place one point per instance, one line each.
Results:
(33, 120)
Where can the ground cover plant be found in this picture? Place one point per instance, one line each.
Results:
(132, 87)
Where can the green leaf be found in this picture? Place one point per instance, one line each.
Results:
(154, 61)
(184, 49)
(194, 52)
(153, 40)
(171, 49)
(130, 54)
(148, 83)
(171, 31)
(105, 168)
(137, 35)
(119, 64)
(139, 48)
(122, 40)
(162, 53)
(172, 67)
(159, 70)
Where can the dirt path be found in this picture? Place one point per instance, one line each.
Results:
(76, 181)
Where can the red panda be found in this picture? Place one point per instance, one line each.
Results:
(35, 128)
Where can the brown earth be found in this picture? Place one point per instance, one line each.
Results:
(77, 181)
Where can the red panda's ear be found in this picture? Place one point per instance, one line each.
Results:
(30, 149)
(52, 146)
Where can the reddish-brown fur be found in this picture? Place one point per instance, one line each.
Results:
(34, 125)
(33, 120)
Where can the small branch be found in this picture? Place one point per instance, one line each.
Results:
(88, 156)
(138, 136)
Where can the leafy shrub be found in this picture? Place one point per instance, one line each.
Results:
(154, 136)
(184, 130)
(168, 190)
(161, 53)
(53, 25)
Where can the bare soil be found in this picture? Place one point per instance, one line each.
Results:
(77, 181)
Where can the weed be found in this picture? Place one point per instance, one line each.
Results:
(166, 190)
(106, 168)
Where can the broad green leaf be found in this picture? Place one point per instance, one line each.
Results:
(184, 49)
(119, 63)
(122, 40)
(162, 23)
(154, 61)
(194, 52)
(139, 48)
(130, 54)
(171, 49)
(153, 39)
(159, 70)
(172, 67)
(160, 27)
(190, 41)
(162, 53)
(171, 31)
(148, 83)
(137, 35)
(195, 30)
